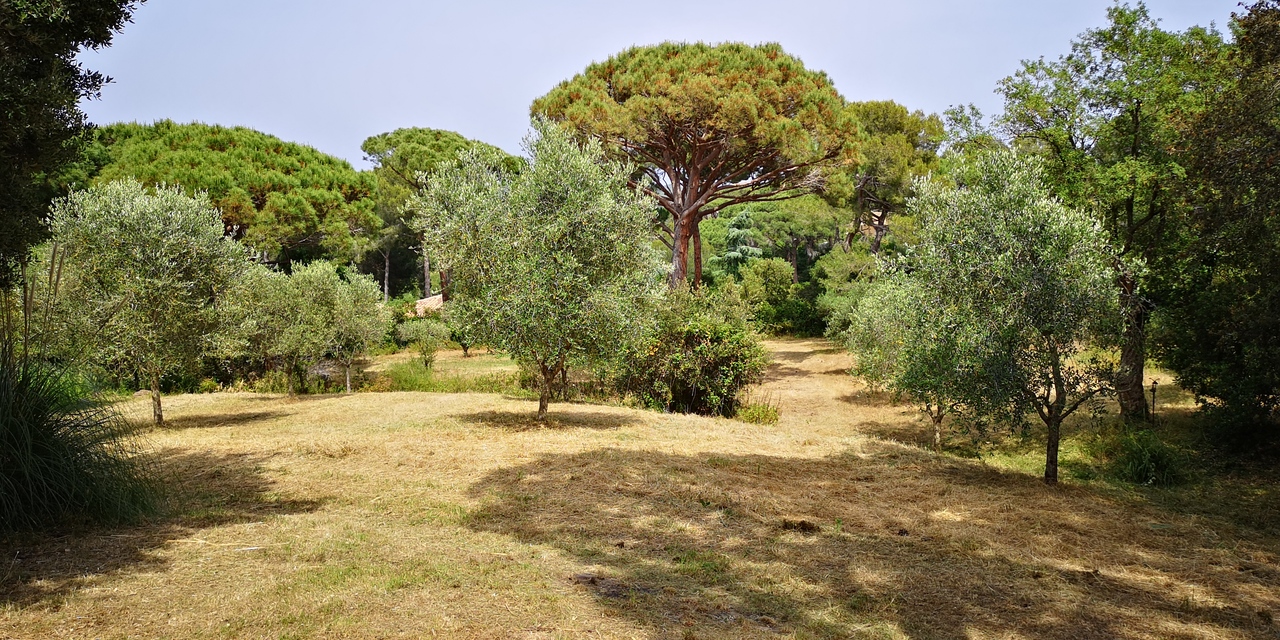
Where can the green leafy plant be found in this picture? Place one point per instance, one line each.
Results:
(426, 336)
(1140, 456)
(64, 455)
(698, 356)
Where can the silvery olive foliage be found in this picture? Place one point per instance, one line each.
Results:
(143, 271)
(995, 311)
(552, 264)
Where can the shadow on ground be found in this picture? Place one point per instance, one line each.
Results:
(560, 416)
(215, 420)
(201, 490)
(890, 542)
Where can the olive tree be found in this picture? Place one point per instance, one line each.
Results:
(551, 264)
(905, 343)
(146, 269)
(1006, 290)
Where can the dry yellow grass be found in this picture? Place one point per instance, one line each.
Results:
(431, 515)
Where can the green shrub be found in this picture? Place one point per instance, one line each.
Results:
(1140, 456)
(696, 359)
(209, 385)
(416, 376)
(426, 335)
(778, 305)
(63, 455)
(760, 413)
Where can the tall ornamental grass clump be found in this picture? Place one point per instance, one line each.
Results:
(65, 457)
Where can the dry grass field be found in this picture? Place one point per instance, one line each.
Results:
(413, 515)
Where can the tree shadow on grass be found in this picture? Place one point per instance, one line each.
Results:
(215, 420)
(201, 490)
(559, 417)
(889, 541)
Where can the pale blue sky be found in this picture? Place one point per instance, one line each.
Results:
(329, 73)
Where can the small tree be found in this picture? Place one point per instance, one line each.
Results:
(426, 335)
(147, 269)
(359, 321)
(904, 343)
(1011, 287)
(551, 264)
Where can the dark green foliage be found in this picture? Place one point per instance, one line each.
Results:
(64, 456)
(1220, 330)
(287, 201)
(1140, 456)
(697, 358)
(778, 304)
(403, 161)
(709, 126)
(41, 124)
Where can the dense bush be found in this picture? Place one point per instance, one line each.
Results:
(1140, 456)
(778, 304)
(64, 456)
(699, 355)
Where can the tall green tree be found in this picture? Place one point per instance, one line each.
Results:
(551, 264)
(1010, 286)
(899, 146)
(288, 202)
(1104, 118)
(146, 268)
(1219, 328)
(708, 127)
(41, 125)
(403, 162)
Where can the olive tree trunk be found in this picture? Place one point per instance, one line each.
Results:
(156, 410)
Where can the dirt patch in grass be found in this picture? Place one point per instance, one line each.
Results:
(456, 515)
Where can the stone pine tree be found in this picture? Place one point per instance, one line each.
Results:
(551, 264)
(287, 202)
(1008, 287)
(403, 161)
(41, 125)
(147, 270)
(1105, 118)
(708, 127)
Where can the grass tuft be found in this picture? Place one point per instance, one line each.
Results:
(65, 456)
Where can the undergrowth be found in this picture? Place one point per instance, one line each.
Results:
(414, 375)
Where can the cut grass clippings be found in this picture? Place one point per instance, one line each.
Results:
(456, 515)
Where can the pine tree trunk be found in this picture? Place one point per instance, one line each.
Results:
(1133, 352)
(386, 276)
(156, 410)
(446, 284)
(680, 250)
(696, 239)
(348, 378)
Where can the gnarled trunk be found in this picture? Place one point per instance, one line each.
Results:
(681, 234)
(1054, 425)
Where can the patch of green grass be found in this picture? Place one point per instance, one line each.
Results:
(413, 375)
(758, 414)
